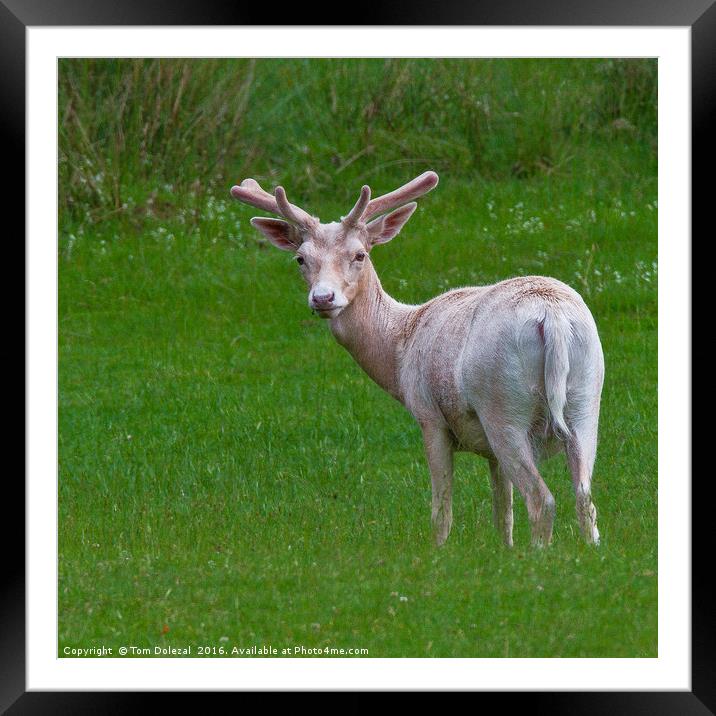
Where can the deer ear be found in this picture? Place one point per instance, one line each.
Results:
(280, 233)
(387, 227)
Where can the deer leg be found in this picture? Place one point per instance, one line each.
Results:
(581, 450)
(512, 448)
(501, 502)
(439, 451)
(539, 500)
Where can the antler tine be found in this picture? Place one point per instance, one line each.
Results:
(412, 190)
(250, 192)
(356, 212)
(290, 211)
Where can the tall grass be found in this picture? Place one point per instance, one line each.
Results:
(138, 130)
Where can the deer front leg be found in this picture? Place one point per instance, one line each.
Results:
(439, 451)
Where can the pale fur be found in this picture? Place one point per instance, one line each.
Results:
(512, 371)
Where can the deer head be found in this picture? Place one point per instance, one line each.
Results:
(333, 257)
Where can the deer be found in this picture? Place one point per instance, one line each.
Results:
(512, 371)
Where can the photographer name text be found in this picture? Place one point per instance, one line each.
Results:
(207, 650)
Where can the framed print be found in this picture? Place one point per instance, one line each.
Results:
(218, 497)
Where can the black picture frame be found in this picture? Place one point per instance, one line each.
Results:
(699, 15)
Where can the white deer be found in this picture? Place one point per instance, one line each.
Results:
(511, 371)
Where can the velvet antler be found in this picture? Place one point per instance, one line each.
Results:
(250, 192)
(412, 190)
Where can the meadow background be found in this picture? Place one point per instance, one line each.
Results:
(227, 475)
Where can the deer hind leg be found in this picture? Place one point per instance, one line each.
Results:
(501, 502)
(581, 450)
(512, 448)
(439, 451)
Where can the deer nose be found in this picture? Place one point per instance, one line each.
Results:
(323, 297)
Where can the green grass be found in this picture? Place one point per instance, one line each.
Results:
(226, 470)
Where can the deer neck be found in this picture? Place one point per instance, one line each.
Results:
(370, 328)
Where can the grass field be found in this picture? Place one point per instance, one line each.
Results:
(228, 476)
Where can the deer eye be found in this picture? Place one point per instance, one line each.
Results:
(300, 260)
(359, 256)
